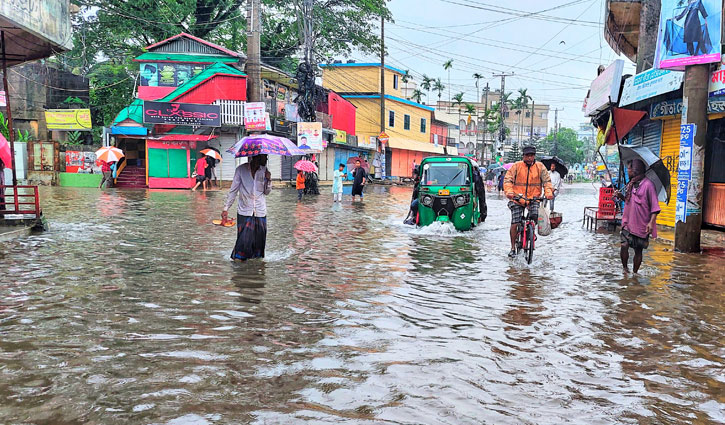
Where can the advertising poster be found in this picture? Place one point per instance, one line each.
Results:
(254, 116)
(681, 206)
(167, 75)
(687, 135)
(689, 33)
(309, 136)
(149, 74)
(340, 137)
(68, 119)
(183, 74)
(605, 88)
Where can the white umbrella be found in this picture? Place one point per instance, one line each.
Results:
(109, 154)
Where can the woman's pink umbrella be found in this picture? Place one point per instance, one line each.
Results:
(5, 155)
(306, 166)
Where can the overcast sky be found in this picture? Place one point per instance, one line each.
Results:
(554, 54)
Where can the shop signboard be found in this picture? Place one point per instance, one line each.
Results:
(81, 162)
(341, 137)
(155, 74)
(715, 105)
(605, 88)
(309, 136)
(191, 114)
(716, 86)
(254, 116)
(68, 119)
(689, 33)
(650, 83)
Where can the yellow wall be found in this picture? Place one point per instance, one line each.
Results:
(368, 119)
(360, 79)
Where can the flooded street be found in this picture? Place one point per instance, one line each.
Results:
(129, 311)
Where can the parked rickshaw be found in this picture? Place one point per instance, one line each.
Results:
(448, 192)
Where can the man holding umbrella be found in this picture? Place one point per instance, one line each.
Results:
(639, 219)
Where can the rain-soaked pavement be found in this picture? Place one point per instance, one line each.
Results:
(128, 311)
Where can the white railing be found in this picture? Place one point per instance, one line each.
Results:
(232, 111)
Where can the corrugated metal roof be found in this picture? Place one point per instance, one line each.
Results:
(184, 57)
(134, 112)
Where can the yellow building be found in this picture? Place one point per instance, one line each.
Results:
(406, 123)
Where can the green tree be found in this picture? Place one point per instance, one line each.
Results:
(417, 95)
(439, 87)
(426, 85)
(566, 146)
(514, 154)
(447, 65)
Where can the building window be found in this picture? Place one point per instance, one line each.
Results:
(391, 119)
(543, 115)
(422, 125)
(406, 122)
(395, 81)
(506, 114)
(528, 114)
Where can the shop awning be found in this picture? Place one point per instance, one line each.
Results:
(624, 122)
(129, 131)
(412, 145)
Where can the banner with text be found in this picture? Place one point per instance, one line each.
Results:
(689, 33)
(254, 116)
(191, 114)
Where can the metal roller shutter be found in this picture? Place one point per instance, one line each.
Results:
(670, 154)
(652, 136)
(229, 163)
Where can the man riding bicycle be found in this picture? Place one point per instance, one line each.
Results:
(525, 179)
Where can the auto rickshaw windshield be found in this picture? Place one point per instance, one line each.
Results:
(446, 174)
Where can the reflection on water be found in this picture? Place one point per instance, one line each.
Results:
(128, 310)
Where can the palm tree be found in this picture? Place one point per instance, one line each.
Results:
(522, 102)
(404, 79)
(457, 101)
(417, 94)
(439, 87)
(447, 66)
(471, 110)
(426, 85)
(477, 77)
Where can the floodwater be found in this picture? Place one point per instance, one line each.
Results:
(129, 311)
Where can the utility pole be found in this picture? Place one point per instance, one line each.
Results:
(11, 132)
(254, 70)
(503, 106)
(485, 121)
(533, 109)
(648, 31)
(382, 74)
(555, 150)
(694, 100)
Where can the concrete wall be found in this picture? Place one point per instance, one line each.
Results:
(80, 180)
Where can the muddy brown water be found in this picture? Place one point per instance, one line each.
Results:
(129, 311)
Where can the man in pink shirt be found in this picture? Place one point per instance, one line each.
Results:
(639, 219)
(200, 172)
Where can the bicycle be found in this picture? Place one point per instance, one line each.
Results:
(526, 232)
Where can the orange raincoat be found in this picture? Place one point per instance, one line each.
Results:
(528, 181)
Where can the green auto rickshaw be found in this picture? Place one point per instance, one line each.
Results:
(451, 190)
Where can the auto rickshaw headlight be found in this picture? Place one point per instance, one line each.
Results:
(427, 200)
(460, 200)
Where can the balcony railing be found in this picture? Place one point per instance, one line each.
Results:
(232, 112)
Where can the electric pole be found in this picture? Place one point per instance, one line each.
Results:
(555, 149)
(694, 97)
(11, 132)
(533, 109)
(485, 121)
(503, 107)
(254, 70)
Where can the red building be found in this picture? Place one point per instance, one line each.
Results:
(189, 72)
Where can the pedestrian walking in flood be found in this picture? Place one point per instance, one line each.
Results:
(337, 177)
(251, 184)
(501, 178)
(201, 166)
(300, 184)
(556, 182)
(107, 175)
(639, 219)
(358, 184)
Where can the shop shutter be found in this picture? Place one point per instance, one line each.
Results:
(158, 163)
(178, 163)
(652, 136)
(229, 163)
(670, 154)
(274, 165)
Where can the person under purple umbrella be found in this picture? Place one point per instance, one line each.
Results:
(251, 184)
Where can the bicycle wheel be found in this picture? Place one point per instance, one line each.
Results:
(529, 248)
(519, 239)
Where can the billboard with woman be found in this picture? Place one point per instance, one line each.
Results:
(689, 33)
